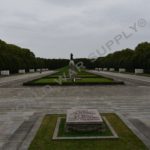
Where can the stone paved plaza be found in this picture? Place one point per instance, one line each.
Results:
(22, 108)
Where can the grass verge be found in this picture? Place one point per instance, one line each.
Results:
(83, 78)
(127, 141)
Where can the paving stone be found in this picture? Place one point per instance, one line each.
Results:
(18, 104)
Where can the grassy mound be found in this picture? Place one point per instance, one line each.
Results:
(126, 141)
(63, 133)
(83, 78)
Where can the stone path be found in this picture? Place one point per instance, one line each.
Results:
(16, 80)
(129, 78)
(22, 108)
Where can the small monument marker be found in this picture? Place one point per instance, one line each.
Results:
(84, 120)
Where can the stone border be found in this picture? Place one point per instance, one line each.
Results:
(56, 137)
(27, 141)
(134, 130)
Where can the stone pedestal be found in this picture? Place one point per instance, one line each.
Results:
(22, 71)
(5, 72)
(112, 69)
(84, 120)
(139, 71)
(38, 70)
(122, 70)
(31, 70)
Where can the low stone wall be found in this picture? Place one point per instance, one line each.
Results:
(139, 71)
(31, 70)
(105, 69)
(122, 70)
(38, 70)
(5, 72)
(43, 69)
(21, 71)
(112, 69)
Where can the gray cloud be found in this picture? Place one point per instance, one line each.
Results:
(66, 3)
(55, 28)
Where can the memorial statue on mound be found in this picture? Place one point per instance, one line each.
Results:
(72, 69)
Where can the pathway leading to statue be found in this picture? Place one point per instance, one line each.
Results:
(137, 79)
(22, 108)
(19, 79)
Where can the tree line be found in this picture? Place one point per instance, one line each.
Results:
(13, 58)
(127, 58)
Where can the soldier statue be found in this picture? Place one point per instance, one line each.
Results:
(72, 69)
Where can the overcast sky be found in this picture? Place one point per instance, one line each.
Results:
(55, 28)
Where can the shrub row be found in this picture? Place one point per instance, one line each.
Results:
(14, 58)
(127, 58)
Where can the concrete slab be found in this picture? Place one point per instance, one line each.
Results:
(17, 104)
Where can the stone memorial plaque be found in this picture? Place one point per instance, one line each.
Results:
(83, 120)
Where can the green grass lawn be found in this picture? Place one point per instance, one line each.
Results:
(127, 140)
(62, 131)
(81, 81)
(83, 78)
